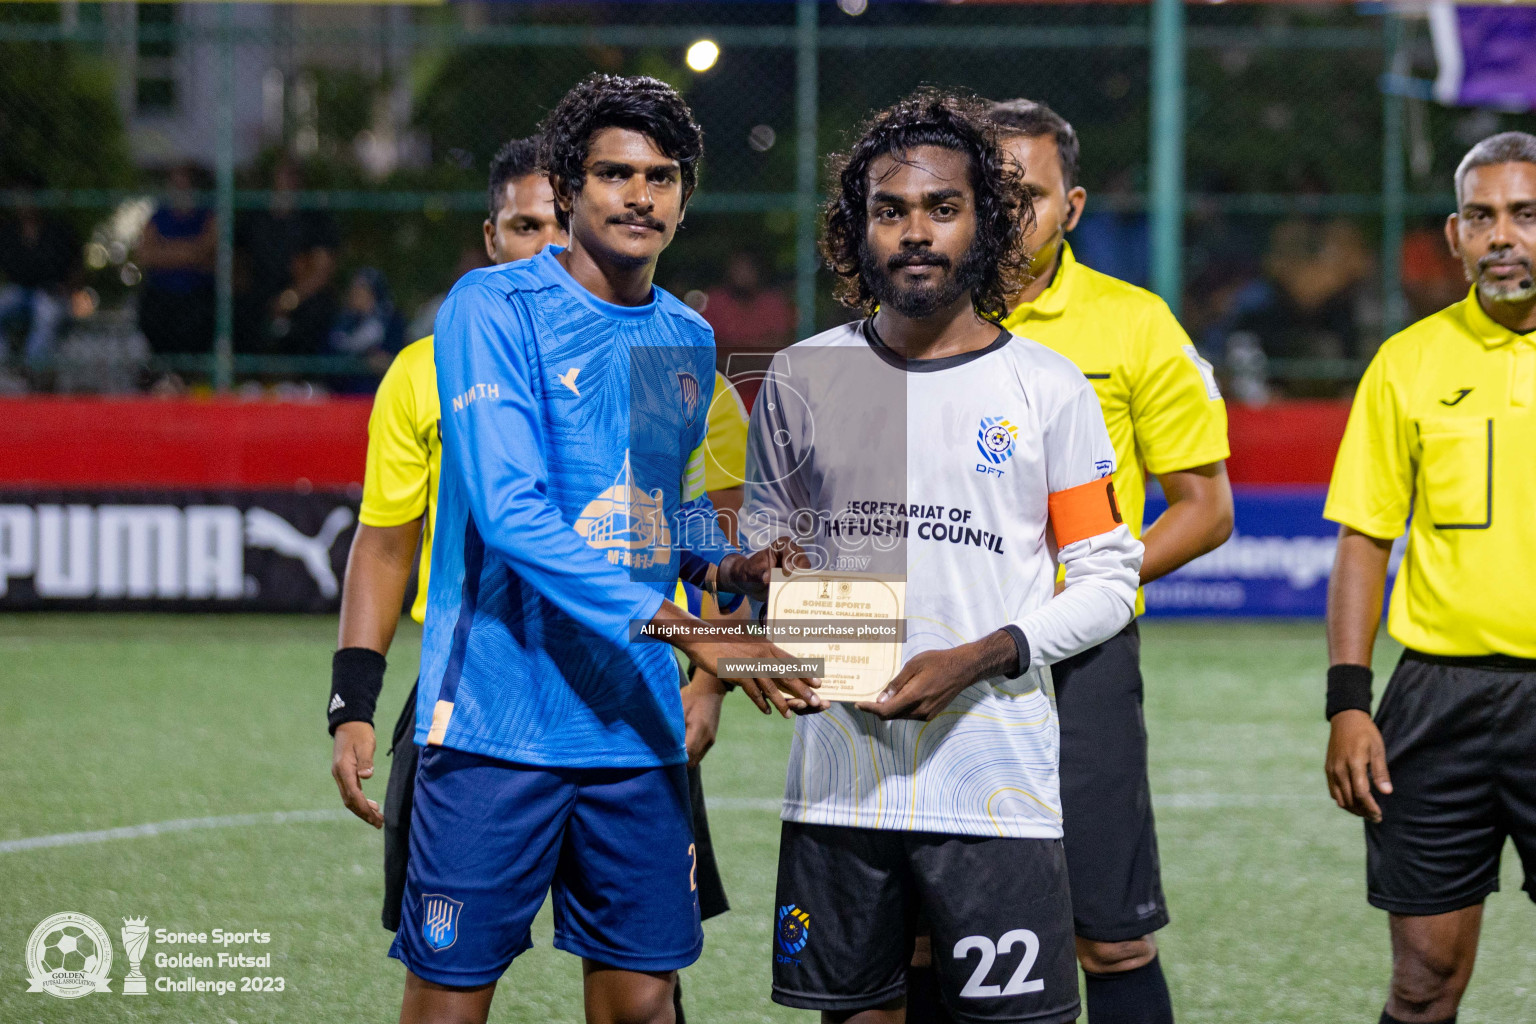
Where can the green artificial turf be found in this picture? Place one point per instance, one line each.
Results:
(113, 721)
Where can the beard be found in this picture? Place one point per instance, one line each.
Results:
(1521, 289)
(917, 300)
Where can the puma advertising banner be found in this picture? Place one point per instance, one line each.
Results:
(182, 550)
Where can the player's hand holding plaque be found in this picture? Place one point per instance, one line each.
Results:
(855, 622)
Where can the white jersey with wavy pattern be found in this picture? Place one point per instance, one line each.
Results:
(959, 500)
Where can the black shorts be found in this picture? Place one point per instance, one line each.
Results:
(403, 755)
(1106, 800)
(847, 910)
(397, 825)
(1460, 735)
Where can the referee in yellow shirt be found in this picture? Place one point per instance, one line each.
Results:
(1442, 439)
(1165, 416)
(398, 508)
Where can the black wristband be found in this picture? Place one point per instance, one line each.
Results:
(1022, 643)
(357, 676)
(1349, 689)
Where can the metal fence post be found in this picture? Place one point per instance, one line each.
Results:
(1166, 185)
(806, 74)
(1393, 182)
(224, 146)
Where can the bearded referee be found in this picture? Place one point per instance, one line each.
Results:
(1442, 440)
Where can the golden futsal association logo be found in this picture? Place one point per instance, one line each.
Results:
(69, 955)
(629, 523)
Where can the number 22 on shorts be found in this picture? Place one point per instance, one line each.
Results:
(1020, 983)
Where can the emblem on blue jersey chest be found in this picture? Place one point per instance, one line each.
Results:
(688, 386)
(628, 523)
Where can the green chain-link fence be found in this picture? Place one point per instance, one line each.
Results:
(1313, 175)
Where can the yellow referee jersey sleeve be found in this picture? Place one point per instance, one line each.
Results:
(1176, 410)
(1372, 484)
(725, 445)
(405, 454)
(1440, 441)
(1161, 405)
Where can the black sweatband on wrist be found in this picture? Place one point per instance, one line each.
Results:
(1349, 689)
(357, 676)
(1022, 643)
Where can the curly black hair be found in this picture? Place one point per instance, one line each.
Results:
(640, 103)
(517, 159)
(949, 120)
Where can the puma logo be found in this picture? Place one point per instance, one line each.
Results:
(568, 378)
(264, 529)
(1460, 394)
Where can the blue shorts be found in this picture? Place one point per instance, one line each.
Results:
(489, 838)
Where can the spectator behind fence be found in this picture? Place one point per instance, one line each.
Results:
(368, 327)
(1314, 270)
(286, 296)
(745, 314)
(423, 321)
(40, 263)
(177, 254)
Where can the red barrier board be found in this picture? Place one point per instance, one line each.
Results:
(1285, 443)
(147, 442)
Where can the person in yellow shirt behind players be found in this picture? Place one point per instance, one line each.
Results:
(399, 503)
(1441, 444)
(1164, 413)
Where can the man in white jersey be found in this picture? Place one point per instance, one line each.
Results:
(926, 438)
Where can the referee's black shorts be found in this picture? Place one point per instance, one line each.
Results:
(397, 825)
(1106, 799)
(403, 755)
(1460, 735)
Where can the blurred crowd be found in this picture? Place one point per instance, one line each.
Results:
(1287, 307)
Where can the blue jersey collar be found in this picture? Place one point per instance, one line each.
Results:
(550, 269)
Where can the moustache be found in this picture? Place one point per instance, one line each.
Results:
(1504, 256)
(917, 259)
(647, 222)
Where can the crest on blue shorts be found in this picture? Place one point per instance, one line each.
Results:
(439, 920)
(794, 929)
(688, 384)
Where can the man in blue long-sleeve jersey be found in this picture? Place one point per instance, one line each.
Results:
(572, 392)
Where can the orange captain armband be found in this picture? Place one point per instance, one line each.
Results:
(1084, 511)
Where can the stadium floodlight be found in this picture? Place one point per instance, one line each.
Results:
(702, 55)
(853, 8)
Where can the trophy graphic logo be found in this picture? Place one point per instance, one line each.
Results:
(135, 940)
